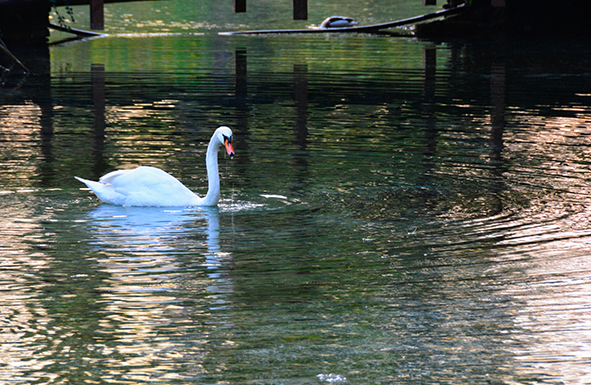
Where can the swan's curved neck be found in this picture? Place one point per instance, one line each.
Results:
(213, 176)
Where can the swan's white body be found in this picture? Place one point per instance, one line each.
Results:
(151, 186)
(338, 22)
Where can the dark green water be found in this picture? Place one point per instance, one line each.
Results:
(398, 212)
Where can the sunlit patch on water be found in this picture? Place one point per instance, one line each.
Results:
(239, 206)
(264, 202)
(331, 378)
(284, 198)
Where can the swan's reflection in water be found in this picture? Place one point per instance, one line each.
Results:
(163, 274)
(154, 232)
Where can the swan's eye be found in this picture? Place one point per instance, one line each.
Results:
(226, 139)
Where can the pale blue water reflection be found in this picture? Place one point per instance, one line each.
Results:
(397, 212)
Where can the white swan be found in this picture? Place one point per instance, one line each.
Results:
(151, 186)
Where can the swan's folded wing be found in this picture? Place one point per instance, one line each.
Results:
(149, 186)
(142, 186)
(142, 178)
(114, 175)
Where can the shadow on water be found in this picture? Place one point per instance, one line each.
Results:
(415, 217)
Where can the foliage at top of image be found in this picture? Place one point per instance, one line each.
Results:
(61, 20)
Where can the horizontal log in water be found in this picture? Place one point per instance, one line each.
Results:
(63, 3)
(78, 32)
(362, 28)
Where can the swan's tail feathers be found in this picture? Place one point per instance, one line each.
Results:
(87, 182)
(105, 192)
(94, 186)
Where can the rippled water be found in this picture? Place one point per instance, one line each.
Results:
(398, 211)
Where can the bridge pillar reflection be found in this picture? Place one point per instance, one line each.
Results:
(97, 76)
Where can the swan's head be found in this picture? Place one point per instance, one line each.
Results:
(224, 136)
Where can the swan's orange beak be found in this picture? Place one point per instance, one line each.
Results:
(229, 147)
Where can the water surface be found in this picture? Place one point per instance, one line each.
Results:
(398, 211)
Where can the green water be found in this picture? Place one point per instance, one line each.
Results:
(397, 212)
(181, 16)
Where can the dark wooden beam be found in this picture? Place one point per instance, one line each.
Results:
(239, 6)
(429, 2)
(97, 14)
(24, 22)
(300, 9)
